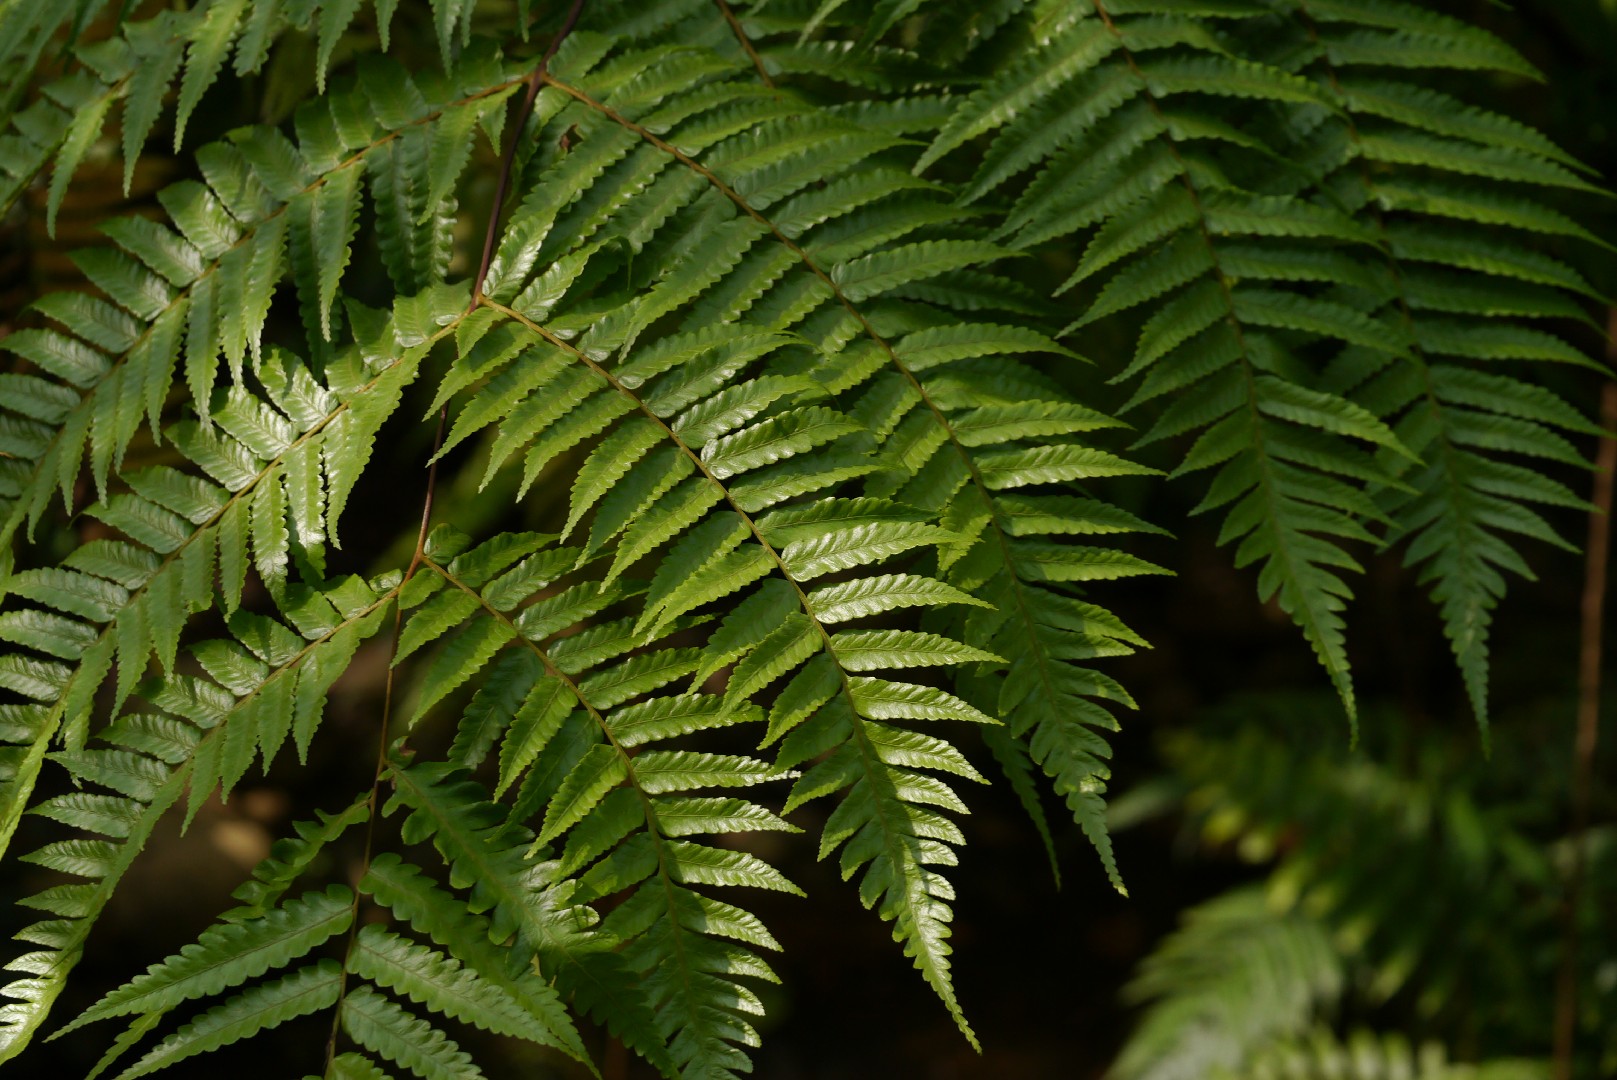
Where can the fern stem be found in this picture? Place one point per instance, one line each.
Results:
(1587, 734)
(380, 769)
(746, 43)
(535, 80)
(426, 502)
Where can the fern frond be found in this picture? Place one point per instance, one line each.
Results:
(140, 63)
(1009, 430)
(586, 783)
(255, 1010)
(440, 982)
(275, 474)
(354, 1066)
(472, 981)
(1425, 929)
(265, 205)
(587, 791)
(228, 955)
(531, 911)
(1366, 1055)
(271, 683)
(1419, 170)
(380, 1024)
(467, 940)
(126, 821)
(290, 858)
(1108, 106)
(1237, 977)
(781, 405)
(745, 270)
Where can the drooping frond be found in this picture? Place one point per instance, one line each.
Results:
(797, 288)
(1250, 241)
(1453, 198)
(1109, 126)
(577, 705)
(691, 455)
(1010, 476)
(937, 377)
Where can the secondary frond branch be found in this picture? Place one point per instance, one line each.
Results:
(1311, 602)
(745, 42)
(934, 966)
(49, 458)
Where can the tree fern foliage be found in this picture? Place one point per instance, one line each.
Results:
(757, 411)
(1325, 313)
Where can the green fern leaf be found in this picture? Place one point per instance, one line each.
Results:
(261, 1008)
(380, 1025)
(210, 41)
(466, 937)
(353, 1066)
(290, 858)
(500, 880)
(441, 984)
(227, 955)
